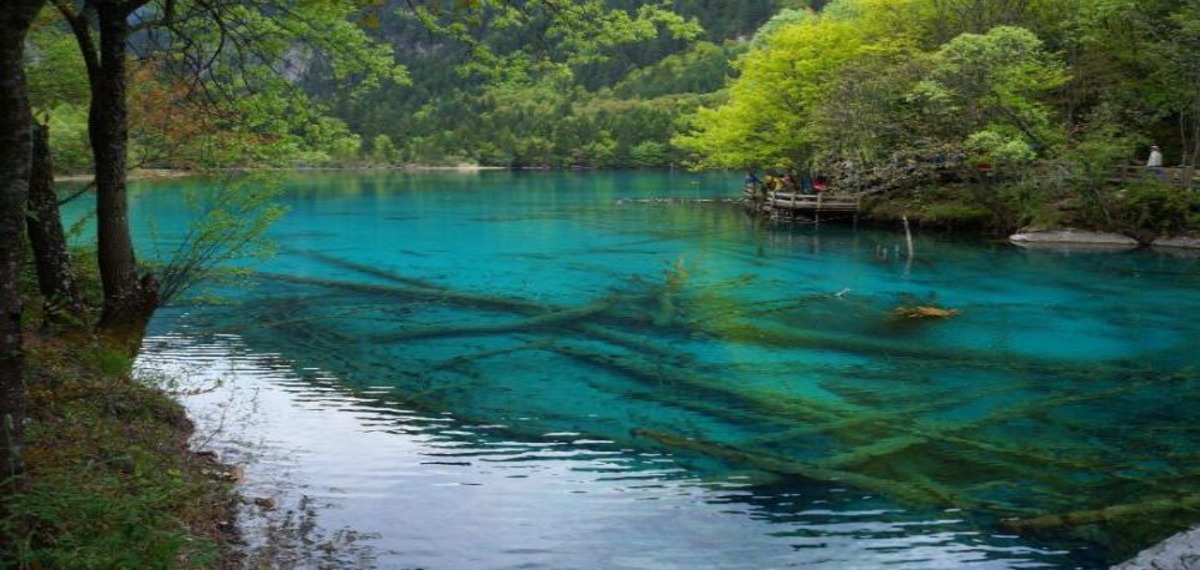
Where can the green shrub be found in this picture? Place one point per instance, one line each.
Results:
(1158, 208)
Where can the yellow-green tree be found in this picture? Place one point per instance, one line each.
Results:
(768, 119)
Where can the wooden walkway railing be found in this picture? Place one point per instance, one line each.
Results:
(793, 204)
(1179, 176)
(819, 202)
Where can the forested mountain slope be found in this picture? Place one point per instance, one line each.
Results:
(621, 111)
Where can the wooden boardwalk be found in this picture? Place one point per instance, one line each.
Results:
(791, 205)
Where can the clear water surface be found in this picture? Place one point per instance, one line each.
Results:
(623, 370)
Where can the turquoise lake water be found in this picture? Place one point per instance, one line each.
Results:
(623, 370)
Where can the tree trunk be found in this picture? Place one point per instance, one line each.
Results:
(129, 299)
(56, 278)
(15, 153)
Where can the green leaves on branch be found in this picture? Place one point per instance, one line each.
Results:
(227, 234)
(830, 86)
(768, 120)
(992, 82)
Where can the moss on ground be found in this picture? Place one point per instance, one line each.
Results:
(111, 482)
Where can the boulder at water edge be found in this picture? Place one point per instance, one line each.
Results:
(1179, 552)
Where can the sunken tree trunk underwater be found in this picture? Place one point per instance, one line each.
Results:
(15, 153)
(56, 278)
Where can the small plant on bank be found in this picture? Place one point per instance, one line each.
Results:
(230, 225)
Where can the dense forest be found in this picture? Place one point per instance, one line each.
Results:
(1007, 112)
(754, 83)
(497, 94)
(618, 109)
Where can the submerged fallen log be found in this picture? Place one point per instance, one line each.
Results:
(555, 318)
(719, 328)
(923, 495)
(485, 354)
(657, 379)
(1149, 509)
(411, 291)
(924, 312)
(865, 453)
(871, 435)
(768, 407)
(364, 269)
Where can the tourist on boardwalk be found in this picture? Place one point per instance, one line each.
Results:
(755, 186)
(774, 182)
(751, 179)
(1155, 162)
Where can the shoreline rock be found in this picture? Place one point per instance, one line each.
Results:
(1183, 242)
(1178, 552)
(1071, 236)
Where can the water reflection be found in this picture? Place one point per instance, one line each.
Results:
(425, 489)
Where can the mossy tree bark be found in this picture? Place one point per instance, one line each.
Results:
(56, 277)
(15, 157)
(130, 297)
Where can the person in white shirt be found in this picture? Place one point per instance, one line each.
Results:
(1155, 162)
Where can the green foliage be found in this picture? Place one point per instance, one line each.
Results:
(1158, 208)
(702, 69)
(1056, 95)
(867, 115)
(55, 72)
(69, 142)
(274, 129)
(994, 147)
(1032, 201)
(958, 215)
(569, 35)
(941, 206)
(990, 82)
(648, 153)
(110, 362)
(383, 150)
(526, 97)
(59, 92)
(785, 18)
(769, 117)
(226, 235)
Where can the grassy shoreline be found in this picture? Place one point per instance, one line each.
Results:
(112, 481)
